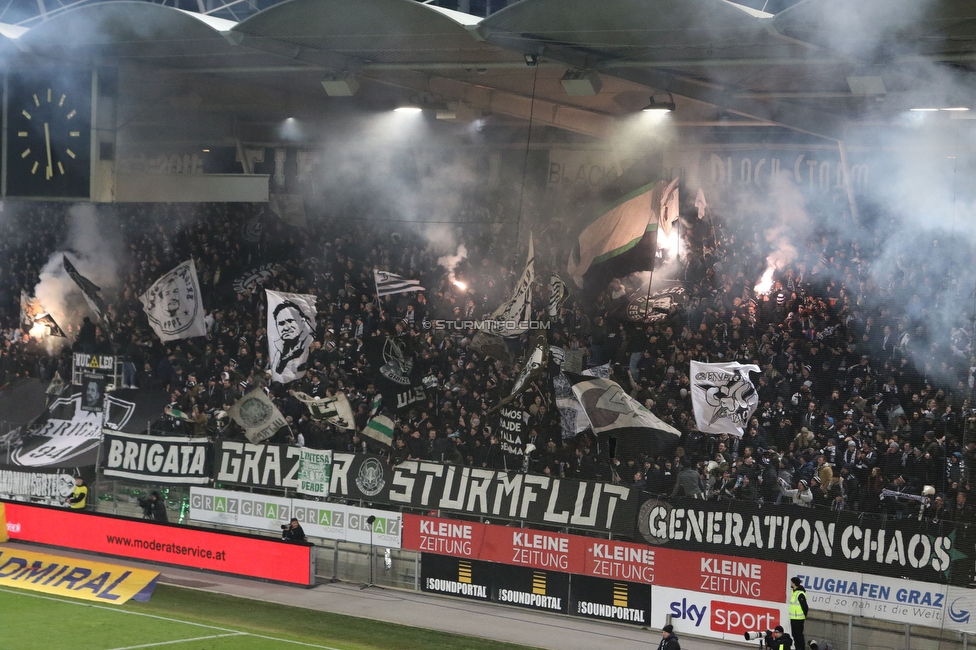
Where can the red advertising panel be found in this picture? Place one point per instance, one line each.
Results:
(238, 555)
(443, 536)
(621, 561)
(600, 558)
(722, 574)
(533, 548)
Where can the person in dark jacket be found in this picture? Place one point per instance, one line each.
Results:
(668, 639)
(781, 640)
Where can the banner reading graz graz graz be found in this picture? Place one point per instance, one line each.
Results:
(931, 552)
(481, 492)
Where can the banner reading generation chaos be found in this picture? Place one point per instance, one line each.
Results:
(927, 551)
(64, 576)
(158, 459)
(482, 492)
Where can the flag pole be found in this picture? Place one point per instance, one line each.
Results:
(650, 277)
(379, 303)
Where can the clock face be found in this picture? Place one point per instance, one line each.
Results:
(49, 136)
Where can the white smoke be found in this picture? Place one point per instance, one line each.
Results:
(790, 224)
(450, 262)
(93, 245)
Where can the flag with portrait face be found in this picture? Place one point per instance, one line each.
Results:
(291, 330)
(174, 306)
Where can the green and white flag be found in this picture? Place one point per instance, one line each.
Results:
(380, 430)
(314, 472)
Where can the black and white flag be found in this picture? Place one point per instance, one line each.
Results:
(514, 315)
(174, 306)
(291, 329)
(533, 367)
(334, 410)
(257, 415)
(390, 283)
(557, 294)
(48, 321)
(88, 288)
(723, 396)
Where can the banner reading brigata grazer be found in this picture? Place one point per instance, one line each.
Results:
(157, 459)
(238, 555)
(844, 541)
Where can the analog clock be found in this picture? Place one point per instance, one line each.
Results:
(49, 136)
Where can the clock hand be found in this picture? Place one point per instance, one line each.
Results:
(47, 142)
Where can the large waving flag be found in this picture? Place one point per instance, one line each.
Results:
(612, 412)
(620, 242)
(390, 283)
(174, 306)
(514, 315)
(723, 396)
(88, 288)
(257, 415)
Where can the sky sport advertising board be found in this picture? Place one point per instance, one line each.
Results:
(714, 615)
(237, 555)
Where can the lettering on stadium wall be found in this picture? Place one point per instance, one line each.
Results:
(826, 539)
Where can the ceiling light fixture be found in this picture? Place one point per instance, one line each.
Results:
(660, 107)
(923, 110)
(954, 108)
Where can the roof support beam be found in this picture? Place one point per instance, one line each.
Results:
(792, 116)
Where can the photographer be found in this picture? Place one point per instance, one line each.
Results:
(777, 639)
(292, 532)
(154, 508)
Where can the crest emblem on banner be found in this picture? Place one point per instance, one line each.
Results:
(396, 367)
(255, 413)
(172, 303)
(370, 478)
(723, 396)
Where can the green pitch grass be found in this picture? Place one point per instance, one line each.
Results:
(186, 619)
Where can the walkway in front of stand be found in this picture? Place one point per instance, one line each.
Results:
(499, 622)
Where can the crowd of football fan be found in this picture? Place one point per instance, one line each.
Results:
(859, 399)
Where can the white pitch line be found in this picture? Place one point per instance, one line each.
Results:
(198, 638)
(19, 592)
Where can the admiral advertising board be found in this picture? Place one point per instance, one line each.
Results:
(715, 615)
(318, 519)
(440, 574)
(844, 541)
(532, 588)
(197, 548)
(610, 600)
(880, 597)
(598, 558)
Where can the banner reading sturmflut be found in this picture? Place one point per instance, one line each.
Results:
(291, 329)
(723, 396)
(174, 306)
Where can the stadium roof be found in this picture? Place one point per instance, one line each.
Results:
(725, 64)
